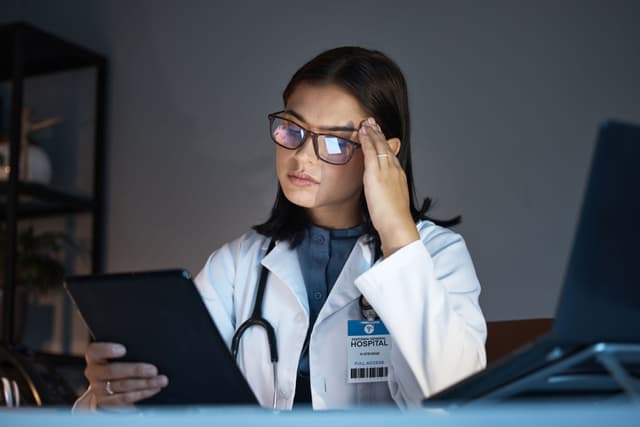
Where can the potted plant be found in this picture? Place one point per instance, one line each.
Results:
(38, 267)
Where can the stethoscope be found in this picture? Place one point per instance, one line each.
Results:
(256, 319)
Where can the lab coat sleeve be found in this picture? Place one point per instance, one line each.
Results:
(86, 402)
(215, 282)
(427, 295)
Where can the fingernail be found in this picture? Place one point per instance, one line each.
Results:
(161, 381)
(118, 350)
(371, 121)
(150, 370)
(363, 129)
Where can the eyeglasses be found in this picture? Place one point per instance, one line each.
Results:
(332, 149)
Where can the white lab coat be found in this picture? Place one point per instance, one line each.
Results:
(425, 293)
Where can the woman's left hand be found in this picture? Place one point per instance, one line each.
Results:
(385, 188)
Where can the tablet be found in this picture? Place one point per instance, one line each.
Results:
(161, 319)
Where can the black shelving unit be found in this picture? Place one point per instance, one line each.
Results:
(28, 52)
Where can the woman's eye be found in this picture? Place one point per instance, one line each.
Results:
(290, 126)
(294, 131)
(334, 144)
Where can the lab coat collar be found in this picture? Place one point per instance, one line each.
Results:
(365, 249)
(345, 291)
(283, 263)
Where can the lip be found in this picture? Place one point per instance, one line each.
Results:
(302, 179)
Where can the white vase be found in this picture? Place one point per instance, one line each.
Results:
(39, 164)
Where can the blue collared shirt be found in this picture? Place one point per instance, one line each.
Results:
(322, 254)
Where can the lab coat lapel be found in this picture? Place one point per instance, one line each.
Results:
(344, 291)
(282, 262)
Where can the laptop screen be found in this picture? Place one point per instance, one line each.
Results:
(600, 300)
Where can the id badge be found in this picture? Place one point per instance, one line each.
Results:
(368, 349)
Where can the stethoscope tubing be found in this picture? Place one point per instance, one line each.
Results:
(256, 319)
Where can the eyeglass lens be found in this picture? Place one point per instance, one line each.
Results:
(330, 148)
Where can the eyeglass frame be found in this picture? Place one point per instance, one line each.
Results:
(314, 137)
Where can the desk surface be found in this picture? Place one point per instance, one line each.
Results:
(502, 415)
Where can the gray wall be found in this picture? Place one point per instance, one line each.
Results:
(506, 100)
(10, 10)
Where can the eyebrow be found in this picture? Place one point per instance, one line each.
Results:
(330, 129)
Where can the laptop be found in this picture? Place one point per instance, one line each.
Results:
(599, 308)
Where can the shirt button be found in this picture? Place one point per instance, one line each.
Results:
(318, 238)
(283, 394)
(317, 295)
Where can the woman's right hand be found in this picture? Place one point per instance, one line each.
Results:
(119, 383)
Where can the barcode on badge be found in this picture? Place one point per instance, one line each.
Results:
(358, 373)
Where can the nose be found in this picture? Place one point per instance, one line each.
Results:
(306, 151)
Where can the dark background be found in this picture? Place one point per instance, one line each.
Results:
(506, 100)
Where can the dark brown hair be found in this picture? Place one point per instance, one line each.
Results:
(378, 84)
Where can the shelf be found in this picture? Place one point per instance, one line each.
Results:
(38, 200)
(43, 52)
(30, 52)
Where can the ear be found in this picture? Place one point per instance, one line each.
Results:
(394, 144)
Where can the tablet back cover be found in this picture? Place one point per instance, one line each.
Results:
(160, 318)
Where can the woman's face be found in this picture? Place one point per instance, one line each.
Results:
(330, 193)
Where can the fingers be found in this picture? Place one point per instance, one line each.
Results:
(130, 385)
(101, 352)
(386, 188)
(117, 371)
(119, 383)
(127, 390)
(375, 146)
(129, 398)
(378, 138)
(368, 147)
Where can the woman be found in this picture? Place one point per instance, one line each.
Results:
(346, 235)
